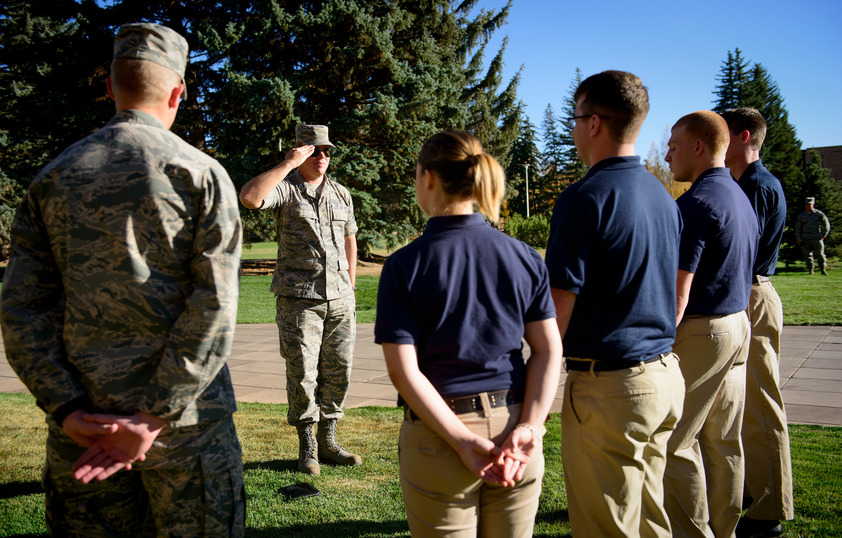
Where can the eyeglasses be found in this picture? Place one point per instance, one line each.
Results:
(328, 151)
(571, 122)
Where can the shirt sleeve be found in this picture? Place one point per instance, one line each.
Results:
(693, 234)
(33, 302)
(542, 306)
(572, 229)
(201, 338)
(351, 223)
(395, 322)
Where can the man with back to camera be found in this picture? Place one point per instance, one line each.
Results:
(703, 482)
(118, 313)
(314, 284)
(612, 258)
(768, 468)
(811, 228)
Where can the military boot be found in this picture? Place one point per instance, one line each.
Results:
(307, 463)
(330, 450)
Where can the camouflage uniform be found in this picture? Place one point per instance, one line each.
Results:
(121, 297)
(810, 229)
(315, 302)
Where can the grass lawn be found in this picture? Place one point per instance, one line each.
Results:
(810, 299)
(257, 303)
(366, 501)
(807, 299)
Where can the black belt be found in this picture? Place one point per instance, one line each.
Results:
(587, 365)
(759, 279)
(473, 403)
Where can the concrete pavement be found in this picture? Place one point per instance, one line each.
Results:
(811, 372)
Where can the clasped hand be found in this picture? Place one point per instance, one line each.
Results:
(503, 465)
(114, 441)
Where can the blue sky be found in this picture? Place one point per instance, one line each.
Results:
(677, 48)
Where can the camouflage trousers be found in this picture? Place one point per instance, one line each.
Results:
(317, 343)
(813, 247)
(191, 484)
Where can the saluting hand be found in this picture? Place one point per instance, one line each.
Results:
(297, 156)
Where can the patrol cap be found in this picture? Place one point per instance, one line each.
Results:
(153, 43)
(809, 200)
(311, 135)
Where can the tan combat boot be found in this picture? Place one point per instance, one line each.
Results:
(329, 449)
(307, 463)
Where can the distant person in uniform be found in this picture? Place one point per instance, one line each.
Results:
(768, 469)
(613, 259)
(703, 483)
(811, 228)
(452, 310)
(314, 285)
(118, 312)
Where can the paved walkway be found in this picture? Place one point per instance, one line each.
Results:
(811, 372)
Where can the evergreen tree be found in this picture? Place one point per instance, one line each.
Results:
(572, 167)
(732, 78)
(525, 159)
(553, 170)
(742, 86)
(45, 104)
(384, 75)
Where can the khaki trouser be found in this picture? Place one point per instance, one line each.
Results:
(765, 435)
(443, 498)
(704, 477)
(615, 427)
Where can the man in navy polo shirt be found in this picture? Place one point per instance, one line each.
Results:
(612, 258)
(765, 436)
(703, 482)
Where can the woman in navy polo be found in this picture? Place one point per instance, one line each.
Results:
(452, 309)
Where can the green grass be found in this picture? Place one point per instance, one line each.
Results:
(267, 250)
(810, 299)
(366, 501)
(257, 303)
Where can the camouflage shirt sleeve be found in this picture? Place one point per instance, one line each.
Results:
(33, 313)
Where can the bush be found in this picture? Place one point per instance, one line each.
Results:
(534, 231)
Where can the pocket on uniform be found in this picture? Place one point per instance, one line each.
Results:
(338, 213)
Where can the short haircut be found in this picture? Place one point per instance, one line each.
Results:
(145, 82)
(618, 96)
(466, 171)
(710, 128)
(747, 119)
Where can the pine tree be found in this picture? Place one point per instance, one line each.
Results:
(572, 167)
(525, 159)
(384, 75)
(742, 86)
(54, 58)
(732, 78)
(553, 170)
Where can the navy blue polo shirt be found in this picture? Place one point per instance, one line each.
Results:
(766, 197)
(614, 243)
(461, 294)
(718, 244)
